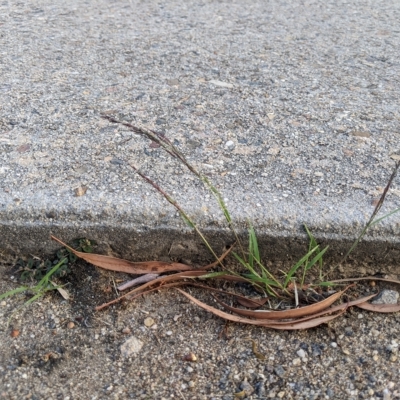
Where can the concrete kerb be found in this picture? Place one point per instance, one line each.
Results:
(294, 123)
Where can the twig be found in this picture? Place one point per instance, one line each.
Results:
(137, 281)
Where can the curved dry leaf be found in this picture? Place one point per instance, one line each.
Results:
(250, 303)
(159, 281)
(291, 325)
(62, 291)
(254, 348)
(286, 314)
(120, 265)
(381, 308)
(241, 395)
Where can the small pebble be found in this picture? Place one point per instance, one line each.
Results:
(246, 387)
(386, 394)
(301, 353)
(260, 389)
(386, 297)
(296, 361)
(168, 333)
(393, 358)
(131, 346)
(3, 303)
(15, 333)
(279, 371)
(70, 325)
(334, 345)
(229, 145)
(281, 395)
(126, 330)
(191, 357)
(189, 369)
(191, 384)
(149, 322)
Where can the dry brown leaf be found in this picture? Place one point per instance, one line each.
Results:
(120, 265)
(62, 291)
(251, 303)
(286, 314)
(254, 347)
(381, 308)
(290, 325)
(159, 281)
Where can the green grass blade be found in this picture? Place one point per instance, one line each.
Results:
(45, 280)
(256, 278)
(268, 273)
(33, 298)
(254, 253)
(246, 264)
(213, 275)
(295, 267)
(328, 284)
(13, 292)
(315, 259)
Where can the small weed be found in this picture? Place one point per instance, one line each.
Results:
(45, 271)
(34, 269)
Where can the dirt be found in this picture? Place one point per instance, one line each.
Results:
(65, 350)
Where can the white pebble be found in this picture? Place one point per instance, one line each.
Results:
(301, 353)
(334, 345)
(229, 145)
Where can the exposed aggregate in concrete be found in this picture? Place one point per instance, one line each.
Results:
(290, 108)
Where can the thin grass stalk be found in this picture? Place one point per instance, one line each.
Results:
(375, 212)
(166, 144)
(182, 213)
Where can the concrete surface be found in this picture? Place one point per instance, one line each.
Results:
(291, 108)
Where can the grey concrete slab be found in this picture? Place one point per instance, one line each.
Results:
(291, 109)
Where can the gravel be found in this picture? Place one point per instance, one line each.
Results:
(112, 354)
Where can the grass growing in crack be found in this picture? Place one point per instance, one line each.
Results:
(256, 272)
